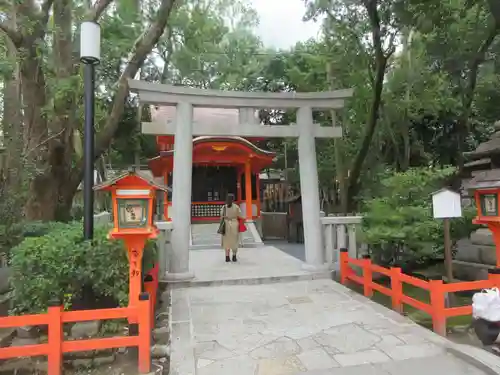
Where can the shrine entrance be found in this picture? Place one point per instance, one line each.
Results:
(186, 104)
(221, 166)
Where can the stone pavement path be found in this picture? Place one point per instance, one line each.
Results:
(314, 327)
(206, 235)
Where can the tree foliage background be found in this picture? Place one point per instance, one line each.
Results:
(426, 79)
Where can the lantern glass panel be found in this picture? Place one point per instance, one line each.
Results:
(133, 213)
(489, 204)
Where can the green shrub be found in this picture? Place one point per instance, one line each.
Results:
(60, 264)
(398, 226)
(12, 235)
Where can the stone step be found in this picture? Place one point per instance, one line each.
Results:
(258, 280)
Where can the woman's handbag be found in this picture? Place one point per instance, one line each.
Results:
(241, 225)
(222, 224)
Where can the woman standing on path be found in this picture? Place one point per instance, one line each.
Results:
(230, 213)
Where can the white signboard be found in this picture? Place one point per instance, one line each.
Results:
(446, 204)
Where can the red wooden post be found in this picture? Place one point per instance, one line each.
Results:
(397, 289)
(55, 337)
(367, 277)
(438, 307)
(144, 311)
(135, 248)
(344, 265)
(151, 287)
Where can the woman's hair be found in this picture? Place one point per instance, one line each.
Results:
(229, 200)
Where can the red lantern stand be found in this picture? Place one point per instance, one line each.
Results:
(133, 195)
(488, 209)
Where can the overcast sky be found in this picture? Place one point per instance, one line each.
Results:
(281, 24)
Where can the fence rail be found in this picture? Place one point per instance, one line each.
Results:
(437, 289)
(56, 345)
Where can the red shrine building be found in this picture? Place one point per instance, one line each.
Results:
(221, 166)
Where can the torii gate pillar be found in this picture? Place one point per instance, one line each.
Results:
(181, 195)
(309, 189)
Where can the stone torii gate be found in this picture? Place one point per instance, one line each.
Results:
(186, 98)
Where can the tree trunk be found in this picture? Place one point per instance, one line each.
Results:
(339, 157)
(49, 191)
(11, 169)
(380, 67)
(48, 136)
(470, 88)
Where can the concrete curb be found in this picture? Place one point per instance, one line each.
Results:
(477, 357)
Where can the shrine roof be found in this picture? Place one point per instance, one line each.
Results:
(146, 176)
(485, 180)
(228, 139)
(478, 162)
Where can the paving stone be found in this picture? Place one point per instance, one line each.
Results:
(308, 343)
(402, 352)
(351, 370)
(280, 366)
(212, 350)
(361, 358)
(203, 362)
(349, 338)
(256, 330)
(282, 347)
(317, 359)
(241, 365)
(389, 342)
(412, 338)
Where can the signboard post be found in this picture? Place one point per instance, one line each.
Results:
(446, 204)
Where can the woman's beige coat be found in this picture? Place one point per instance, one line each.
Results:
(231, 238)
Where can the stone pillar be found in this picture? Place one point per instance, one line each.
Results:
(181, 194)
(164, 247)
(309, 189)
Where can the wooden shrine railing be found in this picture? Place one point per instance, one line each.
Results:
(56, 345)
(437, 289)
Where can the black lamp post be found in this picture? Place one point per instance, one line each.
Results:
(90, 55)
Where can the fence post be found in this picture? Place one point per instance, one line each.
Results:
(397, 289)
(144, 311)
(55, 337)
(367, 276)
(494, 276)
(438, 307)
(344, 265)
(149, 288)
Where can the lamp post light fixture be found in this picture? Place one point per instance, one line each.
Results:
(90, 56)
